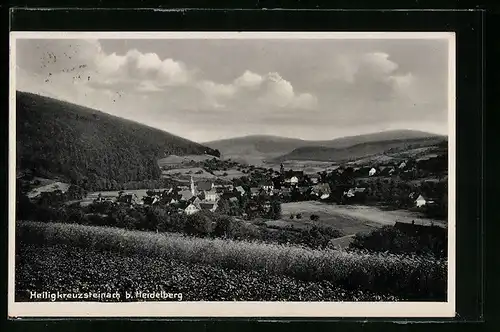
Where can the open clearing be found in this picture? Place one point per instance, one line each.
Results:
(173, 160)
(350, 219)
(195, 172)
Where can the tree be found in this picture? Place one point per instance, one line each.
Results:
(227, 227)
(198, 224)
(275, 210)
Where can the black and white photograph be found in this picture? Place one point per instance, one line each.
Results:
(232, 174)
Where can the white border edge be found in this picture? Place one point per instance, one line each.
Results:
(236, 309)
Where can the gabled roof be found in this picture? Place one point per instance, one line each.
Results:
(186, 194)
(211, 192)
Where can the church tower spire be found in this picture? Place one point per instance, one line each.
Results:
(193, 189)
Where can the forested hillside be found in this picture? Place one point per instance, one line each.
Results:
(90, 148)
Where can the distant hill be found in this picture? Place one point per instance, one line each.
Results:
(270, 147)
(89, 147)
(357, 151)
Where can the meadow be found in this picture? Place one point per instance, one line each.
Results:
(408, 277)
(351, 219)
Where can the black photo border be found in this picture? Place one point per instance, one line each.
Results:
(468, 26)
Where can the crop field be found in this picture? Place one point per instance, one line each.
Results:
(351, 219)
(68, 269)
(417, 277)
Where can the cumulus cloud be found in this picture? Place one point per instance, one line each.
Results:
(248, 79)
(139, 72)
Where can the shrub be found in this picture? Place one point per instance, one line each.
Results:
(298, 216)
(314, 217)
(291, 216)
(393, 240)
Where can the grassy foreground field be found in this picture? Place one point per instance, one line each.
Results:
(406, 277)
(71, 269)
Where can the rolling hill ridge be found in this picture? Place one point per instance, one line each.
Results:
(361, 150)
(90, 148)
(271, 148)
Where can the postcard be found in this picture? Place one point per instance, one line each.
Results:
(232, 174)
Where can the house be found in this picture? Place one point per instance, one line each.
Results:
(372, 172)
(355, 192)
(233, 200)
(254, 191)
(267, 186)
(240, 190)
(128, 198)
(391, 170)
(211, 195)
(192, 209)
(205, 185)
(402, 165)
(421, 201)
(292, 180)
(321, 189)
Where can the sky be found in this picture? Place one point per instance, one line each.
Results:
(210, 89)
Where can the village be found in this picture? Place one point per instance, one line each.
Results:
(409, 184)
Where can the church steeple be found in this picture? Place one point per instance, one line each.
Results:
(193, 188)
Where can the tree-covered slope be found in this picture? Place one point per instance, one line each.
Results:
(90, 148)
